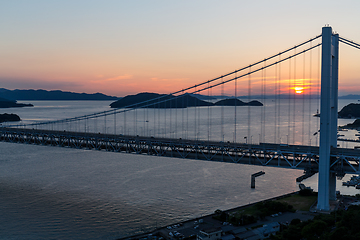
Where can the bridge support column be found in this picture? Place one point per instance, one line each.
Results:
(332, 186)
(328, 116)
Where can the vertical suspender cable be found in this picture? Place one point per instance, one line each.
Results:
(170, 124)
(124, 124)
(135, 120)
(222, 111)
(114, 123)
(279, 98)
(142, 132)
(303, 102)
(289, 104)
(165, 111)
(310, 94)
(208, 121)
(105, 124)
(176, 114)
(195, 112)
(294, 96)
(147, 121)
(182, 114)
(199, 120)
(154, 108)
(249, 137)
(275, 105)
(235, 113)
(187, 116)
(263, 111)
(159, 119)
(210, 128)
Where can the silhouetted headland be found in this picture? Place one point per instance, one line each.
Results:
(9, 117)
(351, 110)
(40, 94)
(354, 125)
(5, 103)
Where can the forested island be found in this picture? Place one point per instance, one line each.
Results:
(9, 118)
(155, 100)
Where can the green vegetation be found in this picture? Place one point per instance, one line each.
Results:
(252, 214)
(341, 224)
(301, 201)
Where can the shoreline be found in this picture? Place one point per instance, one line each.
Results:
(157, 230)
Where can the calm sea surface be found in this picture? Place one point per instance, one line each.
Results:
(59, 193)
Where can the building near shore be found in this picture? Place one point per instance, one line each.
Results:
(209, 234)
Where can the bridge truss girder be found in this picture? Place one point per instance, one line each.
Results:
(284, 156)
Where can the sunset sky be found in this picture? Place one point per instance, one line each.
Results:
(129, 46)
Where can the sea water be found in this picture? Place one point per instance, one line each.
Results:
(61, 193)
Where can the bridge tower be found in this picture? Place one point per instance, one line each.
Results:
(328, 116)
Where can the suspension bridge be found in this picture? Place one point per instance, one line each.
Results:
(292, 86)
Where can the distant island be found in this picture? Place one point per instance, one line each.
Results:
(155, 100)
(237, 102)
(9, 118)
(350, 96)
(51, 95)
(5, 103)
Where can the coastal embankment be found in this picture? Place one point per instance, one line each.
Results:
(193, 226)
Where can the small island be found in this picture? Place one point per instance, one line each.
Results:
(5, 103)
(237, 102)
(9, 118)
(155, 100)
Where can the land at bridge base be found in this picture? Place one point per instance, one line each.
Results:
(193, 226)
(189, 229)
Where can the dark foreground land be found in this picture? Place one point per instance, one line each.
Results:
(291, 216)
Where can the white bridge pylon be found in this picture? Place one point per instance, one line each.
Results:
(328, 116)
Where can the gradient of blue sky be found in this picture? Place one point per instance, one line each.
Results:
(127, 46)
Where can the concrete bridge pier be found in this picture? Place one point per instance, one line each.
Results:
(328, 116)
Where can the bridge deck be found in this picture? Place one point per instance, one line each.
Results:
(264, 154)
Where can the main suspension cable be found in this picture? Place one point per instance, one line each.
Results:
(133, 106)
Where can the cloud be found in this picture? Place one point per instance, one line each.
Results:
(121, 77)
(102, 79)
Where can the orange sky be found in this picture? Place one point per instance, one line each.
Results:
(126, 47)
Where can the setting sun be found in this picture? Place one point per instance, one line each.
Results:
(299, 90)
